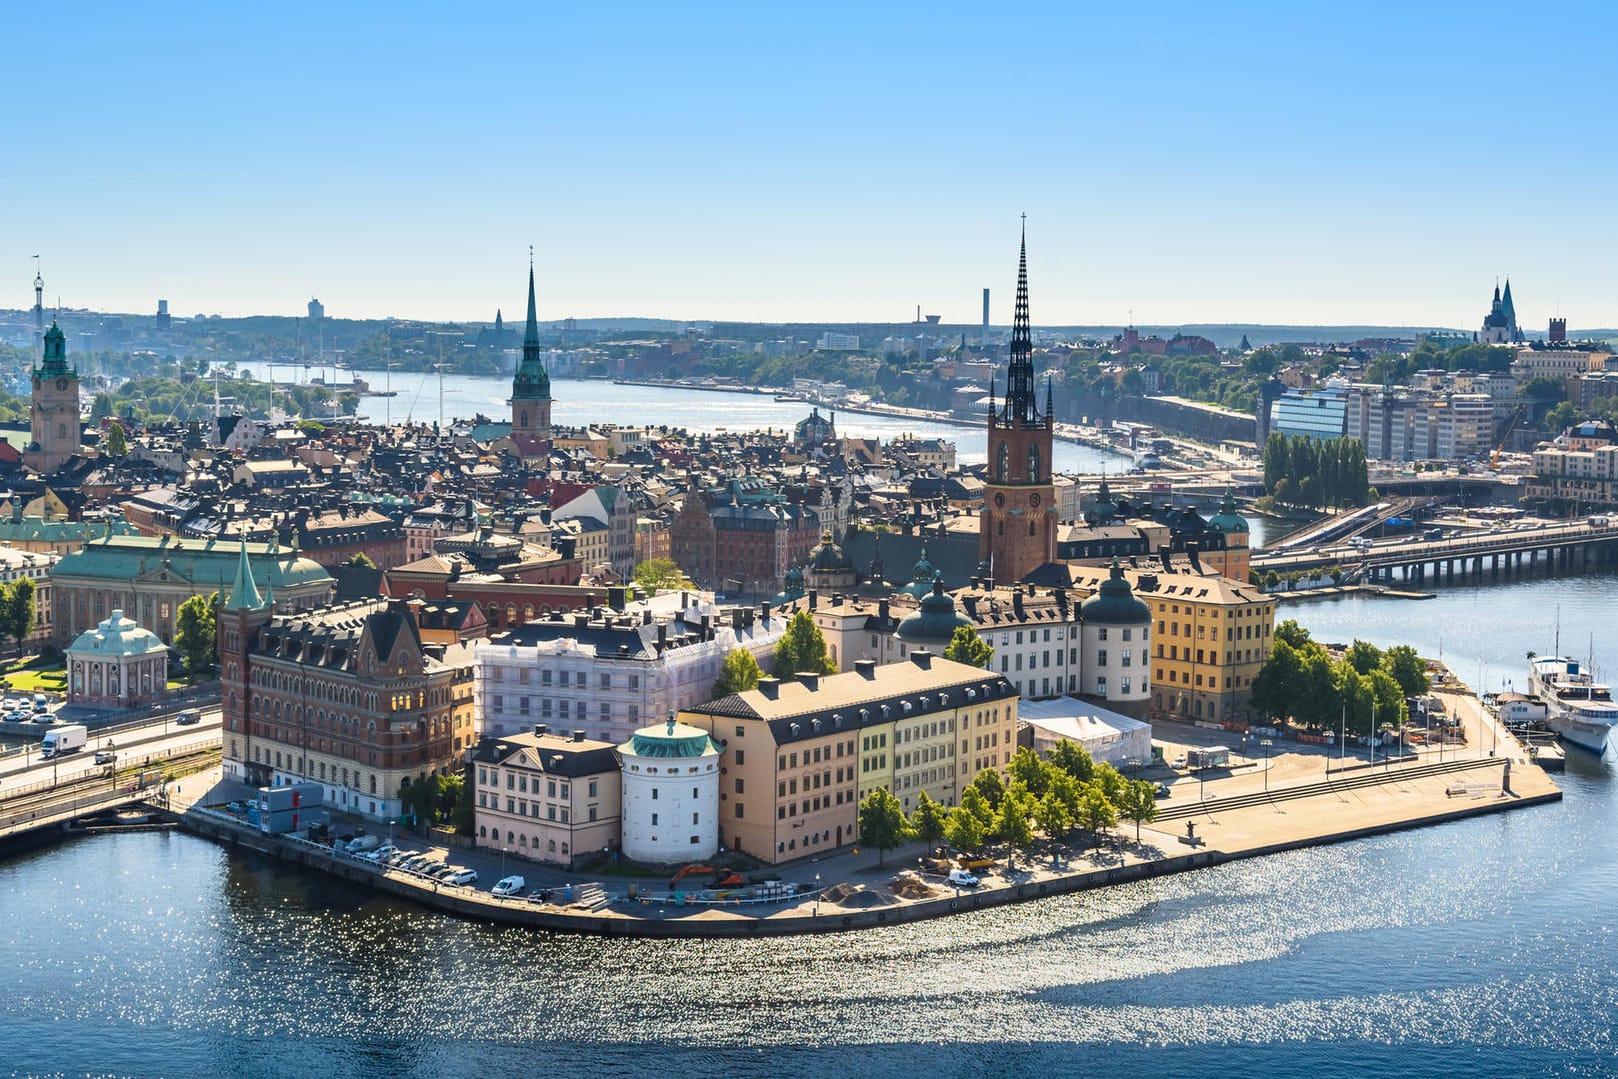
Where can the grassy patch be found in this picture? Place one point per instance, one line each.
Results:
(46, 680)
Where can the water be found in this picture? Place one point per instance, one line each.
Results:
(579, 402)
(1480, 948)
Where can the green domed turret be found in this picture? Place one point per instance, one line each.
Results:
(935, 622)
(921, 578)
(1115, 603)
(793, 589)
(1227, 520)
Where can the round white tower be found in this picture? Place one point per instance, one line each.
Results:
(671, 794)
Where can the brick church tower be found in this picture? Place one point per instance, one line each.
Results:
(54, 430)
(1017, 531)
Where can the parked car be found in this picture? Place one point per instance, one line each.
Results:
(44, 717)
(186, 719)
(106, 757)
(962, 879)
(41, 702)
(462, 876)
(442, 870)
(508, 886)
(380, 852)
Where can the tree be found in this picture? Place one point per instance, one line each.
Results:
(882, 822)
(1275, 688)
(465, 809)
(1030, 772)
(1110, 782)
(1407, 668)
(802, 648)
(1139, 804)
(661, 575)
(929, 820)
(194, 633)
(1364, 656)
(362, 559)
(1095, 812)
(968, 648)
(1053, 817)
(740, 671)
(965, 831)
(1073, 759)
(117, 444)
(19, 609)
(991, 786)
(1012, 825)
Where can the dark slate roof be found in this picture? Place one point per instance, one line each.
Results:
(954, 556)
(556, 754)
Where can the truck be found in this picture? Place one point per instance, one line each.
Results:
(1598, 521)
(60, 741)
(1432, 534)
(363, 843)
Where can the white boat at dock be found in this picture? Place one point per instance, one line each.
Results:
(1580, 709)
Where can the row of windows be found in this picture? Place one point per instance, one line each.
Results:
(340, 776)
(604, 679)
(564, 709)
(809, 805)
(1212, 680)
(519, 841)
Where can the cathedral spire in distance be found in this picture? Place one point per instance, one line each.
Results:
(1021, 406)
(531, 389)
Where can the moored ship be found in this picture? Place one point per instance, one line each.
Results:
(1581, 709)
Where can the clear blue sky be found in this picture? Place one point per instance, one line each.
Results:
(1237, 162)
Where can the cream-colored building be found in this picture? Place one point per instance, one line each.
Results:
(799, 755)
(546, 797)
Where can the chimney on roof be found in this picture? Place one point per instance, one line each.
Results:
(617, 597)
(865, 668)
(810, 680)
(882, 610)
(541, 729)
(814, 598)
(1016, 602)
(1163, 556)
(578, 736)
(923, 658)
(764, 612)
(1191, 553)
(770, 687)
(662, 637)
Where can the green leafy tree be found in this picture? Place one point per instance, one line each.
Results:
(802, 648)
(1073, 759)
(1275, 688)
(1407, 668)
(992, 786)
(1054, 818)
(362, 559)
(661, 575)
(117, 442)
(882, 822)
(1139, 804)
(1110, 782)
(1030, 772)
(965, 830)
(929, 820)
(968, 648)
(1364, 656)
(194, 633)
(465, 808)
(740, 671)
(1096, 813)
(17, 608)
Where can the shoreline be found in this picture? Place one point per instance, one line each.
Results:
(1375, 803)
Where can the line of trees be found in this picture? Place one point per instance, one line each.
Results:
(18, 604)
(1313, 472)
(1036, 797)
(1366, 687)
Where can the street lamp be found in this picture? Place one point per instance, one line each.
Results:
(817, 895)
(502, 863)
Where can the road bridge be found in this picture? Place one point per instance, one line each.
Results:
(1556, 548)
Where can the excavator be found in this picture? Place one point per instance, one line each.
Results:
(723, 878)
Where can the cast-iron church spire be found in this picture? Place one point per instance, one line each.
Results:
(1021, 406)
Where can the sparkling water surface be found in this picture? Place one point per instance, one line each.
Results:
(1481, 948)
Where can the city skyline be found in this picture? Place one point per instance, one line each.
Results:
(1251, 166)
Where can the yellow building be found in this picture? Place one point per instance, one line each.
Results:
(1211, 636)
(799, 756)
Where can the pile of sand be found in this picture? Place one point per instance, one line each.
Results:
(837, 893)
(863, 899)
(907, 885)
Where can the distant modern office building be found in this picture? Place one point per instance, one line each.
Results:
(1316, 413)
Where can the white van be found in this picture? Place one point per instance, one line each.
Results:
(508, 886)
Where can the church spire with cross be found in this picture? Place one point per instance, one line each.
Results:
(531, 389)
(1021, 405)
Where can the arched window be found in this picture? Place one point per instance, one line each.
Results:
(1033, 463)
(1002, 466)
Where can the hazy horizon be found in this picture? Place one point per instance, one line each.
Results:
(776, 165)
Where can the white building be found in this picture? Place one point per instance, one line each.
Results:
(1115, 657)
(609, 672)
(1105, 735)
(671, 794)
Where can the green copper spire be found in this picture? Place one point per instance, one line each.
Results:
(244, 593)
(533, 382)
(54, 363)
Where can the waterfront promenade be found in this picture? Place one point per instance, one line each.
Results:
(1289, 796)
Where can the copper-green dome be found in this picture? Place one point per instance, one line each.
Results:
(827, 557)
(935, 621)
(1227, 520)
(921, 579)
(793, 588)
(1115, 604)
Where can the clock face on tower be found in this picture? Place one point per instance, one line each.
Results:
(1033, 499)
(1000, 499)
(61, 383)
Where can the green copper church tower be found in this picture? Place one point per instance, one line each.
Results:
(531, 389)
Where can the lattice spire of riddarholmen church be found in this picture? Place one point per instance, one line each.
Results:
(1021, 405)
